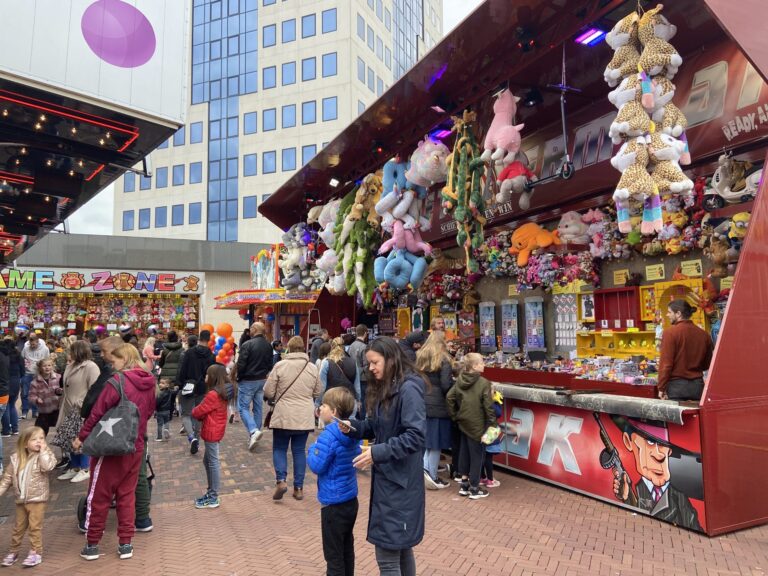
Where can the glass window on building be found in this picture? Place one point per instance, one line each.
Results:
(289, 73)
(308, 69)
(330, 108)
(233, 126)
(371, 80)
(360, 70)
(388, 58)
(250, 167)
(250, 122)
(268, 36)
(195, 212)
(144, 217)
(179, 137)
(379, 86)
(370, 38)
(177, 215)
(379, 48)
(289, 31)
(144, 183)
(289, 159)
(309, 112)
(161, 177)
(178, 175)
(195, 172)
(307, 153)
(360, 107)
(265, 197)
(269, 77)
(308, 26)
(127, 220)
(361, 27)
(269, 2)
(269, 162)
(329, 20)
(288, 116)
(269, 119)
(161, 216)
(249, 207)
(196, 133)
(163, 146)
(329, 64)
(370, 4)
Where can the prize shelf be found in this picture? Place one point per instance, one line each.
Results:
(731, 209)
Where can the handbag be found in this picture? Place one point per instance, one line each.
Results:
(116, 432)
(268, 418)
(68, 431)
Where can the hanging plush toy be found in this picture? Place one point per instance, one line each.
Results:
(502, 142)
(515, 178)
(572, 229)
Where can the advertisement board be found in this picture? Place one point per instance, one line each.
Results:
(98, 281)
(129, 53)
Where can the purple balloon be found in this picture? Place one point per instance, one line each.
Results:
(118, 33)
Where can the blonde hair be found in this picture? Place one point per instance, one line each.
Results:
(149, 342)
(21, 445)
(469, 361)
(295, 344)
(130, 355)
(337, 350)
(430, 357)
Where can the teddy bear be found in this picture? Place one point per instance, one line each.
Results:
(366, 197)
(658, 57)
(717, 252)
(572, 229)
(427, 166)
(503, 138)
(515, 178)
(527, 238)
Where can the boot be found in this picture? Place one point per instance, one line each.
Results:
(280, 489)
(298, 493)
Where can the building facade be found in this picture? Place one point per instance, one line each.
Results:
(272, 82)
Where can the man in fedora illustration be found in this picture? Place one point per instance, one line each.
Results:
(648, 441)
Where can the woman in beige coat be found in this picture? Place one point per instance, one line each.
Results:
(79, 376)
(291, 389)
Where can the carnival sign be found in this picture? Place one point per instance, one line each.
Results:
(97, 281)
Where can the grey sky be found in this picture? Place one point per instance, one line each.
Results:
(96, 216)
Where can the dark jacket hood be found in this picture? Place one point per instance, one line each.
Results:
(140, 378)
(467, 379)
(200, 351)
(172, 345)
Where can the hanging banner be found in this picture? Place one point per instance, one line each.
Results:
(534, 324)
(97, 281)
(510, 339)
(487, 327)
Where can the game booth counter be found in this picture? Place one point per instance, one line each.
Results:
(547, 179)
(58, 301)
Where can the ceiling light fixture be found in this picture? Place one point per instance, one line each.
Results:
(38, 126)
(334, 182)
(532, 98)
(590, 36)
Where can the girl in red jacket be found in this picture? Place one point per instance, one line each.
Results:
(212, 412)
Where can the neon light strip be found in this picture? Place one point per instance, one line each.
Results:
(93, 174)
(18, 178)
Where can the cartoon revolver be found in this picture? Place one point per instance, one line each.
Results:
(609, 458)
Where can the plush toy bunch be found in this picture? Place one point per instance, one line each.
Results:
(296, 259)
(649, 126)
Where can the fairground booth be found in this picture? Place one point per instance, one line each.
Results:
(547, 179)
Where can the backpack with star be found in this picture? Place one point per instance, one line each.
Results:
(115, 434)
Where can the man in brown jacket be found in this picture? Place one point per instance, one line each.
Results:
(686, 351)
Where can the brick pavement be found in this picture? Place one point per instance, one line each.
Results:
(524, 528)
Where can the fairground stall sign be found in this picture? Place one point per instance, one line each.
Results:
(98, 281)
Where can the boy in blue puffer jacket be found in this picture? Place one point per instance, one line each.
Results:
(331, 459)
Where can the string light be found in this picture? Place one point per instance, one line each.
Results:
(109, 135)
(47, 198)
(23, 151)
(49, 162)
(101, 141)
(80, 163)
(26, 190)
(74, 130)
(5, 112)
(38, 126)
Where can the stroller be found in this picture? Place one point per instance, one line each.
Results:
(82, 503)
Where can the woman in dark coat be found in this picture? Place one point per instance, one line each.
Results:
(10, 420)
(397, 420)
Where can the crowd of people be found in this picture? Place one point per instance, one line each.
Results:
(392, 406)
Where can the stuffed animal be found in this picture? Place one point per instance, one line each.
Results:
(632, 120)
(717, 252)
(366, 198)
(665, 151)
(738, 229)
(514, 178)
(572, 229)
(427, 166)
(624, 32)
(623, 63)
(635, 182)
(527, 238)
(659, 57)
(503, 138)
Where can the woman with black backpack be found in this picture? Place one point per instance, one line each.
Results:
(339, 369)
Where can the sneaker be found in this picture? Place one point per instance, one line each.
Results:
(81, 527)
(80, 476)
(10, 559)
(15, 432)
(254, 439)
(62, 464)
(194, 446)
(166, 434)
(207, 501)
(477, 493)
(442, 483)
(143, 524)
(429, 482)
(6, 434)
(457, 478)
(231, 418)
(68, 475)
(183, 430)
(90, 552)
(125, 551)
(32, 559)
(464, 489)
(492, 483)
(483, 482)
(23, 417)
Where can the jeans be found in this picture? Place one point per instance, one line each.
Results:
(191, 425)
(212, 467)
(26, 382)
(298, 441)
(488, 466)
(142, 493)
(251, 392)
(163, 421)
(2, 413)
(684, 389)
(10, 418)
(396, 562)
(337, 522)
(431, 462)
(77, 460)
(471, 460)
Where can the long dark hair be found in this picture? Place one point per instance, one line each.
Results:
(396, 367)
(216, 379)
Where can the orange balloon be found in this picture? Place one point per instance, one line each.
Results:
(208, 327)
(227, 347)
(224, 329)
(231, 339)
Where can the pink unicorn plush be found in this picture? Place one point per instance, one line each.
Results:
(503, 139)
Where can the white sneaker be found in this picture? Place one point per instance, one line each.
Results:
(429, 482)
(68, 475)
(255, 437)
(80, 476)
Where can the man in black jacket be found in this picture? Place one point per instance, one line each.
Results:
(4, 362)
(191, 381)
(315, 343)
(253, 367)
